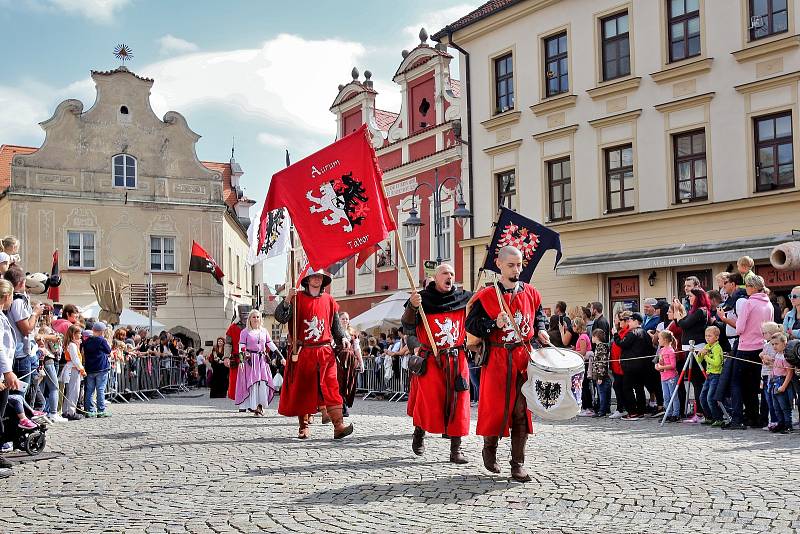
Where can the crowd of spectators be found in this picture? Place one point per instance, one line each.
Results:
(55, 364)
(721, 353)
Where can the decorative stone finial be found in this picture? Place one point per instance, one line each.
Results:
(423, 36)
(354, 73)
(367, 75)
(341, 87)
(404, 53)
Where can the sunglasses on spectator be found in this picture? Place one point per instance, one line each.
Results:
(794, 296)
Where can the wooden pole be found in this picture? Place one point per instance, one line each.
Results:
(411, 281)
(295, 352)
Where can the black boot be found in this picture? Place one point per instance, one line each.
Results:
(418, 441)
(489, 453)
(456, 456)
(345, 412)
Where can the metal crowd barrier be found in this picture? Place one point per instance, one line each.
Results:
(145, 377)
(373, 381)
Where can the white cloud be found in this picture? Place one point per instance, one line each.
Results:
(272, 140)
(99, 11)
(175, 45)
(289, 80)
(21, 126)
(435, 21)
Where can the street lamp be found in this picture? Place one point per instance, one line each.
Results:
(460, 214)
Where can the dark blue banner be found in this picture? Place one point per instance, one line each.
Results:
(530, 237)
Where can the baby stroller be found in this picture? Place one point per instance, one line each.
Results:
(31, 441)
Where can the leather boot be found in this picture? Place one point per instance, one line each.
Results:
(418, 441)
(303, 421)
(489, 453)
(340, 430)
(456, 456)
(519, 437)
(326, 417)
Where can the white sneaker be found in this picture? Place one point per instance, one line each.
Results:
(54, 417)
(8, 446)
(617, 415)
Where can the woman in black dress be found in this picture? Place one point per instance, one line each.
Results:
(219, 371)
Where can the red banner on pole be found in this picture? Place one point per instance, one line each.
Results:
(335, 200)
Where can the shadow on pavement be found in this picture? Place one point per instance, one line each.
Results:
(447, 490)
(365, 465)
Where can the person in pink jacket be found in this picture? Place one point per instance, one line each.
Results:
(756, 311)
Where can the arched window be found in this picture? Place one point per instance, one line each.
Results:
(124, 171)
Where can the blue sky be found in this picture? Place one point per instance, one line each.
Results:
(264, 72)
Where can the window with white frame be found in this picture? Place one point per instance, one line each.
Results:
(125, 171)
(410, 244)
(367, 267)
(162, 253)
(445, 224)
(338, 269)
(81, 247)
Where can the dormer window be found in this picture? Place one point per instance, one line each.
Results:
(424, 107)
(123, 110)
(124, 171)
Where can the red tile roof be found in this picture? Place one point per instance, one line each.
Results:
(384, 119)
(455, 85)
(486, 10)
(7, 153)
(228, 194)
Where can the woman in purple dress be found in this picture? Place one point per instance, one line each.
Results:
(254, 389)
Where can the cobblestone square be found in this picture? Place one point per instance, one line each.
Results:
(191, 464)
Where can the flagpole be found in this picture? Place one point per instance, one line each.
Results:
(411, 281)
(295, 352)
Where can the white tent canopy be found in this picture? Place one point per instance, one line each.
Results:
(126, 318)
(385, 314)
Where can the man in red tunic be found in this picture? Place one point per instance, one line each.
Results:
(438, 399)
(310, 380)
(232, 347)
(502, 405)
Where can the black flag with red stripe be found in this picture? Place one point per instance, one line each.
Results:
(202, 262)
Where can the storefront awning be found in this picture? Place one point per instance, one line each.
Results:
(681, 255)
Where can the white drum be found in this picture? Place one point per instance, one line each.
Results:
(555, 381)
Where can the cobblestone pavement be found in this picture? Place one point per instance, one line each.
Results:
(191, 464)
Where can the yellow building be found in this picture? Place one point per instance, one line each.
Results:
(115, 185)
(657, 137)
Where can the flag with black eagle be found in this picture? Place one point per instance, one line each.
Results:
(202, 262)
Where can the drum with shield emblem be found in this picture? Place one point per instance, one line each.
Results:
(555, 378)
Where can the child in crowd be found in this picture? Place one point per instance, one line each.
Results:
(583, 345)
(780, 387)
(599, 371)
(10, 249)
(669, 375)
(72, 372)
(712, 354)
(745, 266)
(767, 358)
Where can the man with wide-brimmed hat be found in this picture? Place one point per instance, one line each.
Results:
(310, 379)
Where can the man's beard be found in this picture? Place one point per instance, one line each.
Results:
(514, 279)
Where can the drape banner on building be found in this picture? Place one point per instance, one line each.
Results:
(202, 262)
(335, 199)
(530, 237)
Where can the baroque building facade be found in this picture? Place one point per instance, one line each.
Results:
(115, 186)
(413, 146)
(656, 136)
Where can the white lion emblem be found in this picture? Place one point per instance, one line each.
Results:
(510, 336)
(331, 202)
(314, 329)
(448, 332)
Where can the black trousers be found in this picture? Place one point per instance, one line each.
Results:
(633, 386)
(587, 395)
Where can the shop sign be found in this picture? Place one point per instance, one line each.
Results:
(624, 287)
(777, 278)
